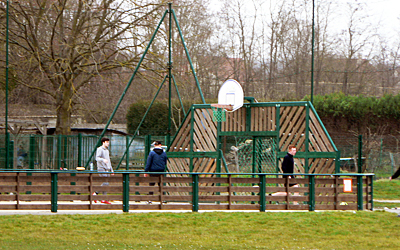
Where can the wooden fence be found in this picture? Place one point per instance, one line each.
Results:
(72, 190)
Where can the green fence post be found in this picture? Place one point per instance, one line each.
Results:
(359, 192)
(147, 142)
(31, 151)
(59, 146)
(195, 192)
(125, 192)
(360, 154)
(54, 183)
(127, 152)
(11, 155)
(79, 150)
(311, 195)
(262, 192)
(372, 192)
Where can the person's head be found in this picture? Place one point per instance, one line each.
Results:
(157, 144)
(105, 142)
(292, 150)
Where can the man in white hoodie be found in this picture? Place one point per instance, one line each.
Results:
(104, 163)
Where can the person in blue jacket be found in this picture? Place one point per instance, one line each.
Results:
(156, 162)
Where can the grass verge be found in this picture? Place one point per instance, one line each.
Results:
(385, 189)
(214, 230)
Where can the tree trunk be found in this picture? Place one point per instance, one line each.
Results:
(64, 110)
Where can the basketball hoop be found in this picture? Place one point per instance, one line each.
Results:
(230, 98)
(219, 110)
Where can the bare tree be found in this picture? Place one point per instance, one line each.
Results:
(63, 45)
(355, 42)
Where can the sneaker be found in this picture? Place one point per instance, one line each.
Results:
(95, 193)
(106, 202)
(149, 202)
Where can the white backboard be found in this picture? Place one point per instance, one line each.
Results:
(231, 92)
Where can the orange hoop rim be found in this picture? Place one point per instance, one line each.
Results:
(227, 107)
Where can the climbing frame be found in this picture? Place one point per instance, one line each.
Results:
(201, 144)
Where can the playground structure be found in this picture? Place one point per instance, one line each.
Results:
(255, 137)
(251, 138)
(217, 160)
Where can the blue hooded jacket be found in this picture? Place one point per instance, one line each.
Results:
(156, 161)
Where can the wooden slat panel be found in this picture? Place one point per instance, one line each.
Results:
(320, 131)
(293, 134)
(156, 207)
(8, 197)
(213, 189)
(187, 198)
(332, 207)
(35, 189)
(29, 207)
(73, 188)
(79, 197)
(8, 189)
(182, 134)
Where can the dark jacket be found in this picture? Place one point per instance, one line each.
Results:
(156, 161)
(397, 174)
(288, 164)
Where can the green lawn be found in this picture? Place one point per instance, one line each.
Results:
(216, 230)
(387, 190)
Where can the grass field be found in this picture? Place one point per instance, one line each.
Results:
(216, 230)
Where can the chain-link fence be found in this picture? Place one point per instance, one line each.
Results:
(380, 154)
(69, 152)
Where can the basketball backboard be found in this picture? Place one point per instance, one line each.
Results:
(231, 93)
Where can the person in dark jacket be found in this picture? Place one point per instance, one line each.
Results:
(288, 163)
(288, 168)
(156, 162)
(397, 174)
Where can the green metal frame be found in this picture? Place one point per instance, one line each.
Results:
(172, 16)
(256, 134)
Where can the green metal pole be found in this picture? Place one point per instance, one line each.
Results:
(125, 192)
(195, 194)
(253, 164)
(372, 191)
(311, 195)
(380, 155)
(59, 153)
(262, 192)
(307, 141)
(360, 154)
(127, 151)
(54, 190)
(179, 96)
(79, 149)
(7, 142)
(127, 87)
(169, 75)
(189, 59)
(278, 128)
(359, 193)
(147, 142)
(140, 124)
(31, 151)
(312, 52)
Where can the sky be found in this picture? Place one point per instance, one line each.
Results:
(387, 12)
